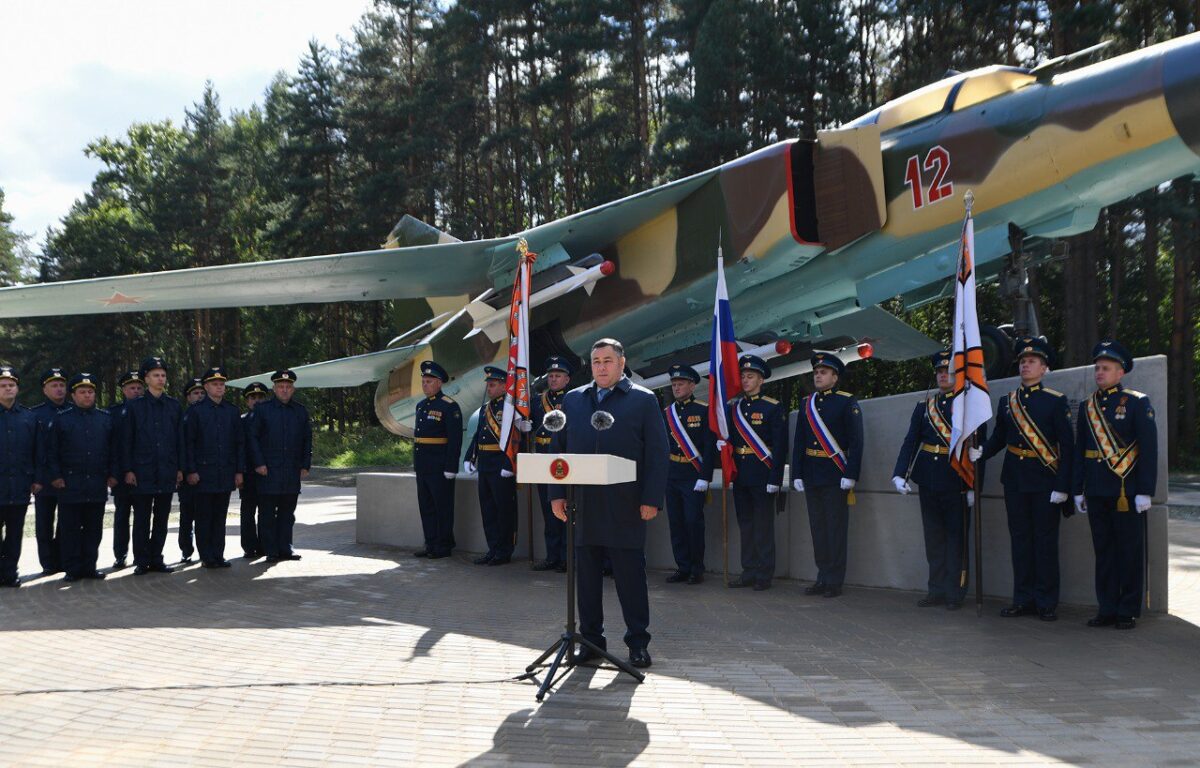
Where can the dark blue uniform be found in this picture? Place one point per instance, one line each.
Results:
(609, 519)
(755, 507)
(214, 448)
(437, 444)
(122, 493)
(187, 494)
(1118, 537)
(45, 501)
(80, 451)
(828, 504)
(280, 440)
(150, 443)
(18, 471)
(555, 530)
(248, 494)
(1032, 520)
(945, 517)
(497, 493)
(685, 505)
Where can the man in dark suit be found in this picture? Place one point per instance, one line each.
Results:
(18, 458)
(437, 441)
(150, 441)
(131, 389)
(187, 494)
(248, 494)
(558, 376)
(693, 455)
(281, 447)
(497, 481)
(213, 453)
(612, 520)
(45, 501)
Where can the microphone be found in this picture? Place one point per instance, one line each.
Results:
(555, 421)
(602, 420)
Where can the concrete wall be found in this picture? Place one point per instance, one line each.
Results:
(886, 544)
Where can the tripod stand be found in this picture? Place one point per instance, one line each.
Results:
(563, 647)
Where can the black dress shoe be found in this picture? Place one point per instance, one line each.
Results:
(639, 657)
(290, 556)
(141, 570)
(695, 578)
(272, 560)
(741, 582)
(118, 564)
(1125, 622)
(252, 555)
(14, 583)
(545, 565)
(583, 655)
(185, 560)
(500, 561)
(482, 560)
(95, 575)
(162, 568)
(953, 605)
(1013, 611)
(71, 578)
(437, 555)
(762, 586)
(51, 571)
(1048, 614)
(930, 601)
(833, 592)
(560, 567)
(815, 589)
(421, 553)
(677, 577)
(1101, 621)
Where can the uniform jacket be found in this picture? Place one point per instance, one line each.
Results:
(931, 471)
(484, 449)
(543, 404)
(768, 418)
(19, 436)
(438, 418)
(1051, 412)
(610, 516)
(44, 412)
(694, 416)
(1131, 417)
(151, 441)
(249, 486)
(80, 451)
(281, 440)
(214, 445)
(117, 412)
(843, 416)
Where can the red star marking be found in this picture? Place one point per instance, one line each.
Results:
(119, 298)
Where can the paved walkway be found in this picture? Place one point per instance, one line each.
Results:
(361, 655)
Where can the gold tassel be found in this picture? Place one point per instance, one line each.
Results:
(850, 500)
(1123, 502)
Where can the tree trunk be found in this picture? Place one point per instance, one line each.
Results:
(1080, 326)
(1150, 268)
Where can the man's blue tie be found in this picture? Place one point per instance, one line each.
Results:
(601, 394)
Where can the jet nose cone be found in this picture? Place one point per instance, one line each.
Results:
(1181, 88)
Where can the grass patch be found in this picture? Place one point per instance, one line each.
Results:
(363, 447)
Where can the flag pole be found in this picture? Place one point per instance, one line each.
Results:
(978, 488)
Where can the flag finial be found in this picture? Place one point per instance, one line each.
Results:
(969, 200)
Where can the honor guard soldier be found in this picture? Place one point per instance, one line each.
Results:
(437, 444)
(150, 441)
(1116, 457)
(187, 495)
(214, 450)
(81, 464)
(497, 481)
(693, 454)
(281, 447)
(758, 433)
(945, 498)
(1033, 427)
(558, 376)
(18, 472)
(131, 388)
(826, 461)
(45, 501)
(248, 494)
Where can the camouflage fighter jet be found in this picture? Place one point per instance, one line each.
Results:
(815, 234)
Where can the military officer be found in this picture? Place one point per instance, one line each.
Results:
(612, 519)
(281, 447)
(758, 433)
(80, 463)
(693, 455)
(131, 387)
(18, 473)
(194, 393)
(213, 454)
(150, 443)
(497, 481)
(1033, 427)
(1116, 456)
(248, 494)
(437, 443)
(925, 458)
(558, 376)
(45, 501)
(826, 461)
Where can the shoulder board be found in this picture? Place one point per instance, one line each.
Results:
(701, 403)
(844, 394)
(770, 400)
(447, 398)
(1053, 392)
(1133, 393)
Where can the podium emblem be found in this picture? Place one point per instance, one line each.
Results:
(559, 469)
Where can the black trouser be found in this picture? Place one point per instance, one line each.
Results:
(629, 573)
(946, 520)
(122, 506)
(187, 522)
(212, 509)
(276, 517)
(829, 523)
(554, 530)
(756, 524)
(1033, 528)
(151, 517)
(498, 506)
(47, 536)
(1119, 539)
(12, 528)
(251, 546)
(685, 515)
(80, 528)
(435, 500)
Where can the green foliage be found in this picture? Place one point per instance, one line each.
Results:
(361, 446)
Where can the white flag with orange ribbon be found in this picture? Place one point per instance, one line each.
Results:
(972, 405)
(516, 388)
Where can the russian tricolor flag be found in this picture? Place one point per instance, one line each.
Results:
(723, 376)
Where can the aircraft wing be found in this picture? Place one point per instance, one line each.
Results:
(343, 372)
(890, 337)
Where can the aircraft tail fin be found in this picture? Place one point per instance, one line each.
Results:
(411, 231)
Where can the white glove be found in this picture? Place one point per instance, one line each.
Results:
(1057, 497)
(701, 486)
(469, 467)
(1081, 504)
(448, 475)
(1141, 503)
(847, 484)
(971, 499)
(506, 473)
(524, 425)
(772, 488)
(798, 484)
(901, 485)
(720, 445)
(974, 454)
